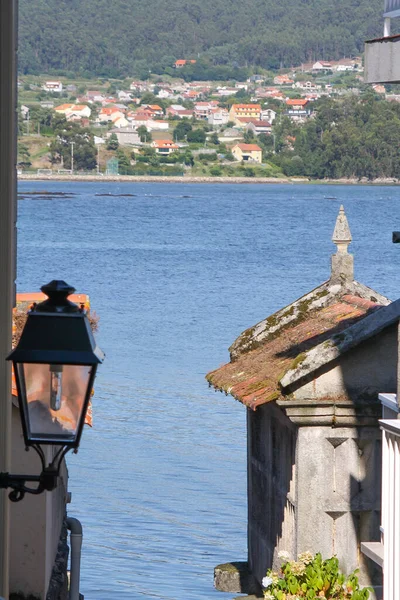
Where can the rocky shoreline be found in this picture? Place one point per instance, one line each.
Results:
(188, 179)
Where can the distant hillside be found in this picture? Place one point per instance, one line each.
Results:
(130, 37)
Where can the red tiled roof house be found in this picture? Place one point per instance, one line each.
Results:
(309, 376)
(247, 152)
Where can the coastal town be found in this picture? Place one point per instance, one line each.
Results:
(175, 126)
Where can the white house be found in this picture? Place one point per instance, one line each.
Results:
(226, 91)
(218, 117)
(124, 96)
(120, 121)
(322, 65)
(109, 113)
(72, 111)
(267, 114)
(341, 68)
(258, 127)
(164, 93)
(53, 86)
(126, 136)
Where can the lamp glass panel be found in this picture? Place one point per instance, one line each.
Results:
(55, 396)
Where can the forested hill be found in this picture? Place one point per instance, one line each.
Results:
(129, 37)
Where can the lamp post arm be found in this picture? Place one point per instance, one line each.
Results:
(47, 479)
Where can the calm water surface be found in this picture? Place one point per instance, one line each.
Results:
(175, 273)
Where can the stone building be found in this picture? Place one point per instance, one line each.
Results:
(309, 376)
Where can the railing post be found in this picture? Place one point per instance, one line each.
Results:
(386, 27)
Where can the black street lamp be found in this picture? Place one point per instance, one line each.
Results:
(55, 364)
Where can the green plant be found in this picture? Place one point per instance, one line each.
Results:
(312, 578)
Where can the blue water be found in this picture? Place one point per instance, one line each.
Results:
(175, 273)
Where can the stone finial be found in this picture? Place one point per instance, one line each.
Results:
(342, 262)
(341, 234)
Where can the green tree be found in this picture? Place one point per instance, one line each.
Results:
(124, 165)
(24, 156)
(188, 159)
(144, 134)
(182, 130)
(214, 138)
(112, 143)
(81, 140)
(197, 136)
(249, 136)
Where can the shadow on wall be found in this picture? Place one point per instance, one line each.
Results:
(353, 460)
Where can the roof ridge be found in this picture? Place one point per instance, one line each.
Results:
(340, 343)
(360, 302)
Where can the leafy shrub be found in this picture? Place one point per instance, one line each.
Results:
(215, 171)
(312, 578)
(204, 157)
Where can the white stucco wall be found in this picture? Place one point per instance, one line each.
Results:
(36, 524)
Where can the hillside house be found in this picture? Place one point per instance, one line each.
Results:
(224, 91)
(218, 117)
(322, 66)
(74, 111)
(53, 86)
(108, 114)
(124, 96)
(154, 110)
(309, 377)
(202, 110)
(297, 109)
(94, 96)
(267, 114)
(187, 113)
(245, 110)
(139, 86)
(283, 80)
(180, 63)
(126, 136)
(306, 85)
(258, 127)
(271, 92)
(119, 121)
(247, 152)
(164, 147)
(230, 135)
(164, 93)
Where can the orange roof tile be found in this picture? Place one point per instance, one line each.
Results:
(246, 106)
(63, 107)
(253, 377)
(249, 147)
(296, 102)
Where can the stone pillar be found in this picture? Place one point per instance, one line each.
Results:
(342, 262)
(338, 482)
(8, 88)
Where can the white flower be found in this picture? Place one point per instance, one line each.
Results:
(267, 581)
(306, 557)
(284, 555)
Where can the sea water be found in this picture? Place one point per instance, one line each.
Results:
(175, 273)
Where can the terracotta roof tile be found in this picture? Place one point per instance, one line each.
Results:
(253, 377)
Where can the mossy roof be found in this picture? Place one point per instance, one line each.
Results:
(263, 354)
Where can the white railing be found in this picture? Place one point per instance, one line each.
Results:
(386, 553)
(392, 9)
(391, 507)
